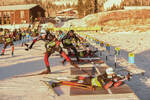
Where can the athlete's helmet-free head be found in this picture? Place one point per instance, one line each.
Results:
(71, 32)
(60, 31)
(50, 36)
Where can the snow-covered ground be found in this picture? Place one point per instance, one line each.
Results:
(17, 26)
(32, 61)
(138, 43)
(14, 26)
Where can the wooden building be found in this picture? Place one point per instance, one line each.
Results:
(18, 14)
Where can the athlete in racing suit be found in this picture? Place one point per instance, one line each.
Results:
(8, 40)
(67, 43)
(51, 45)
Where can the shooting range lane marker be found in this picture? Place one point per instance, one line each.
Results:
(117, 53)
(101, 46)
(115, 61)
(131, 58)
(107, 51)
(108, 47)
(102, 43)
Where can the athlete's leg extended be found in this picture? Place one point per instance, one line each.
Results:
(47, 54)
(72, 84)
(12, 48)
(63, 54)
(23, 40)
(75, 52)
(69, 51)
(3, 50)
(69, 54)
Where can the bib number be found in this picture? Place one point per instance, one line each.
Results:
(8, 40)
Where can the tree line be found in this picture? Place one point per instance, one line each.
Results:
(131, 3)
(86, 7)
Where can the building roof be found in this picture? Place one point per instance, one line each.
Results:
(65, 10)
(17, 7)
(136, 7)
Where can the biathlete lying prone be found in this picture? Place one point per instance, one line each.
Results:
(106, 80)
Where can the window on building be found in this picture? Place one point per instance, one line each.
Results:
(0, 17)
(22, 14)
(12, 13)
(4, 17)
(8, 18)
(39, 14)
(8, 14)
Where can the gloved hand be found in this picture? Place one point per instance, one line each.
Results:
(26, 45)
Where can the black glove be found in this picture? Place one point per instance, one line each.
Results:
(26, 45)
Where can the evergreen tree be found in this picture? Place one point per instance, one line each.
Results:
(26, 1)
(69, 6)
(101, 5)
(95, 6)
(63, 6)
(74, 5)
(80, 9)
(88, 7)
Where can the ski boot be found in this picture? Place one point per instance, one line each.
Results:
(26, 45)
(12, 54)
(48, 71)
(64, 62)
(53, 84)
(1, 54)
(27, 49)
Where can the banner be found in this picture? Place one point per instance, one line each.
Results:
(78, 29)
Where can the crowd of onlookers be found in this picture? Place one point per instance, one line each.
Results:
(22, 34)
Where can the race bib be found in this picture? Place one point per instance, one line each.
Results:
(8, 40)
(51, 44)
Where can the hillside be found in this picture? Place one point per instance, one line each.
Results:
(118, 18)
